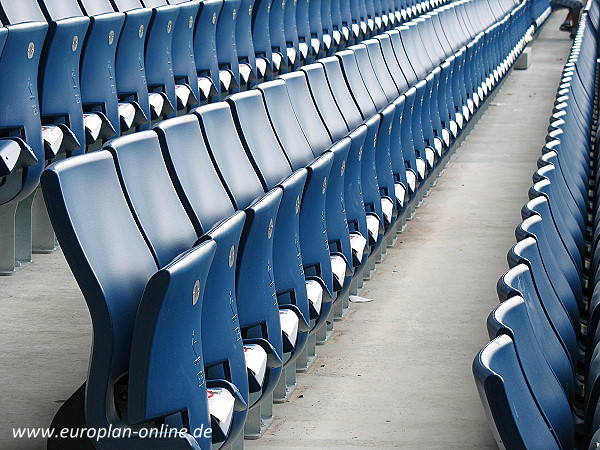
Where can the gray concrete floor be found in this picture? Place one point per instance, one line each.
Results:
(397, 371)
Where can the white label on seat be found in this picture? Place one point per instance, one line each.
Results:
(466, 113)
(277, 61)
(220, 406)
(156, 103)
(316, 45)
(256, 361)
(262, 65)
(303, 47)
(476, 98)
(411, 178)
(373, 226)
(421, 168)
(454, 128)
(291, 54)
(430, 156)
(346, 33)
(480, 92)
(459, 120)
(387, 208)
(327, 41)
(484, 87)
(127, 113)
(226, 78)
(446, 136)
(338, 267)
(183, 93)
(93, 123)
(314, 291)
(205, 84)
(337, 37)
(289, 324)
(358, 244)
(372, 23)
(53, 136)
(363, 27)
(399, 192)
(438, 144)
(245, 73)
(471, 105)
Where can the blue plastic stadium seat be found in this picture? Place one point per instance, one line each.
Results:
(130, 79)
(512, 318)
(227, 57)
(184, 64)
(60, 96)
(205, 50)
(91, 246)
(562, 311)
(567, 225)
(21, 47)
(292, 50)
(162, 324)
(315, 21)
(169, 231)
(364, 96)
(308, 48)
(273, 168)
(321, 134)
(268, 157)
(249, 72)
(272, 171)
(344, 23)
(519, 281)
(364, 99)
(323, 94)
(279, 53)
(97, 72)
(592, 397)
(156, 39)
(515, 418)
(300, 153)
(331, 38)
(316, 194)
(557, 261)
(351, 119)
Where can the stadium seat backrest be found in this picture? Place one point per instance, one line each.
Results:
(21, 51)
(111, 263)
(289, 132)
(512, 318)
(153, 198)
(515, 418)
(195, 178)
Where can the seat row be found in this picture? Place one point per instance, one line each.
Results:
(81, 72)
(538, 378)
(216, 249)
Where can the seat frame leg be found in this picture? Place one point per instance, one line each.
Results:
(43, 237)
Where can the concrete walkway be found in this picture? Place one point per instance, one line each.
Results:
(397, 372)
